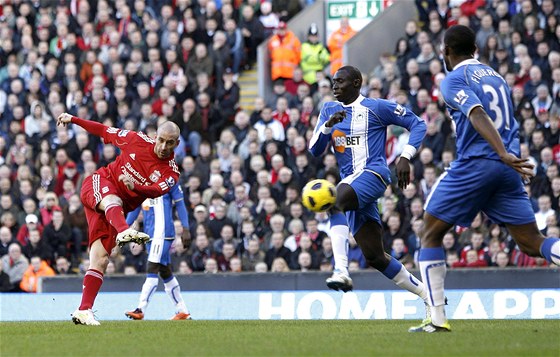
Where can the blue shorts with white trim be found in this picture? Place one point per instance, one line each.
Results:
(475, 185)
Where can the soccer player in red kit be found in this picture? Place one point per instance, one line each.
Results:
(145, 168)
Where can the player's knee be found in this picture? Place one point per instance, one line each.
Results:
(346, 199)
(100, 262)
(111, 200)
(165, 272)
(344, 205)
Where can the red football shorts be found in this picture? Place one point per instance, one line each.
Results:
(94, 189)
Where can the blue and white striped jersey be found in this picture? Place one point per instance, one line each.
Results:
(359, 140)
(473, 84)
(158, 214)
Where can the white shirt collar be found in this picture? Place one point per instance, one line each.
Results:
(356, 102)
(466, 62)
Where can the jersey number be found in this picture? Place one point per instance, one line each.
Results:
(495, 105)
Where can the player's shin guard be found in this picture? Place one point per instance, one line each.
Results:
(173, 290)
(115, 215)
(433, 270)
(148, 289)
(339, 238)
(91, 285)
(402, 277)
(550, 249)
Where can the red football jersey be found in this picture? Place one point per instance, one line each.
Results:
(151, 175)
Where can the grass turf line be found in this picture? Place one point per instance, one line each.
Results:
(282, 338)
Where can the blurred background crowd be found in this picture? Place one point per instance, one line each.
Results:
(133, 63)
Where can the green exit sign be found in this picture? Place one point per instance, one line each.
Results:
(353, 9)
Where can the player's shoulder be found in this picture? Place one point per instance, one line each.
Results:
(141, 135)
(332, 106)
(173, 165)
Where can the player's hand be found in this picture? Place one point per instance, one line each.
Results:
(127, 182)
(186, 238)
(522, 166)
(64, 119)
(403, 172)
(335, 118)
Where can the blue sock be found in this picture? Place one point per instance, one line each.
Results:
(550, 250)
(392, 269)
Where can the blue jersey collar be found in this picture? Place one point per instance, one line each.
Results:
(356, 102)
(466, 62)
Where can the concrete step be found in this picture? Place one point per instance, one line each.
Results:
(249, 89)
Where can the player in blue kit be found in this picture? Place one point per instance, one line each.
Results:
(158, 224)
(487, 175)
(357, 128)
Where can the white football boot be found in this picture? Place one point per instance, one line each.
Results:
(340, 281)
(131, 235)
(84, 317)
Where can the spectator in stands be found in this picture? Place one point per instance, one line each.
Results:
(63, 267)
(279, 265)
(336, 43)
(37, 246)
(253, 33)
(37, 268)
(201, 252)
(314, 55)
(285, 52)
(14, 264)
(58, 234)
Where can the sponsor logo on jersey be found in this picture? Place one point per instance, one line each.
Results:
(105, 189)
(155, 176)
(170, 181)
(400, 110)
(133, 156)
(341, 141)
(123, 133)
(461, 97)
(128, 170)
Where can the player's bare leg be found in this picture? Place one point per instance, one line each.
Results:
(531, 242)
(99, 259)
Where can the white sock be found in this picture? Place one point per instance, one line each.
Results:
(409, 282)
(433, 270)
(148, 289)
(173, 290)
(339, 238)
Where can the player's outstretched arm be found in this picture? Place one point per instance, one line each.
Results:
(91, 127)
(482, 123)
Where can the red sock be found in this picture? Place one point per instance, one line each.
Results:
(115, 216)
(92, 284)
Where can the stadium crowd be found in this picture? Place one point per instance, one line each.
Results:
(133, 64)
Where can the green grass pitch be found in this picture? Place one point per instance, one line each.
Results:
(279, 338)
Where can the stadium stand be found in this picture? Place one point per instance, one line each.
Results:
(133, 64)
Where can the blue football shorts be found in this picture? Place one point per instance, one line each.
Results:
(158, 251)
(475, 185)
(368, 187)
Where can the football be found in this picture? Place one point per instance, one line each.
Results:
(318, 195)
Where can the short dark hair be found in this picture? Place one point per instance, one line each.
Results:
(353, 73)
(461, 40)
